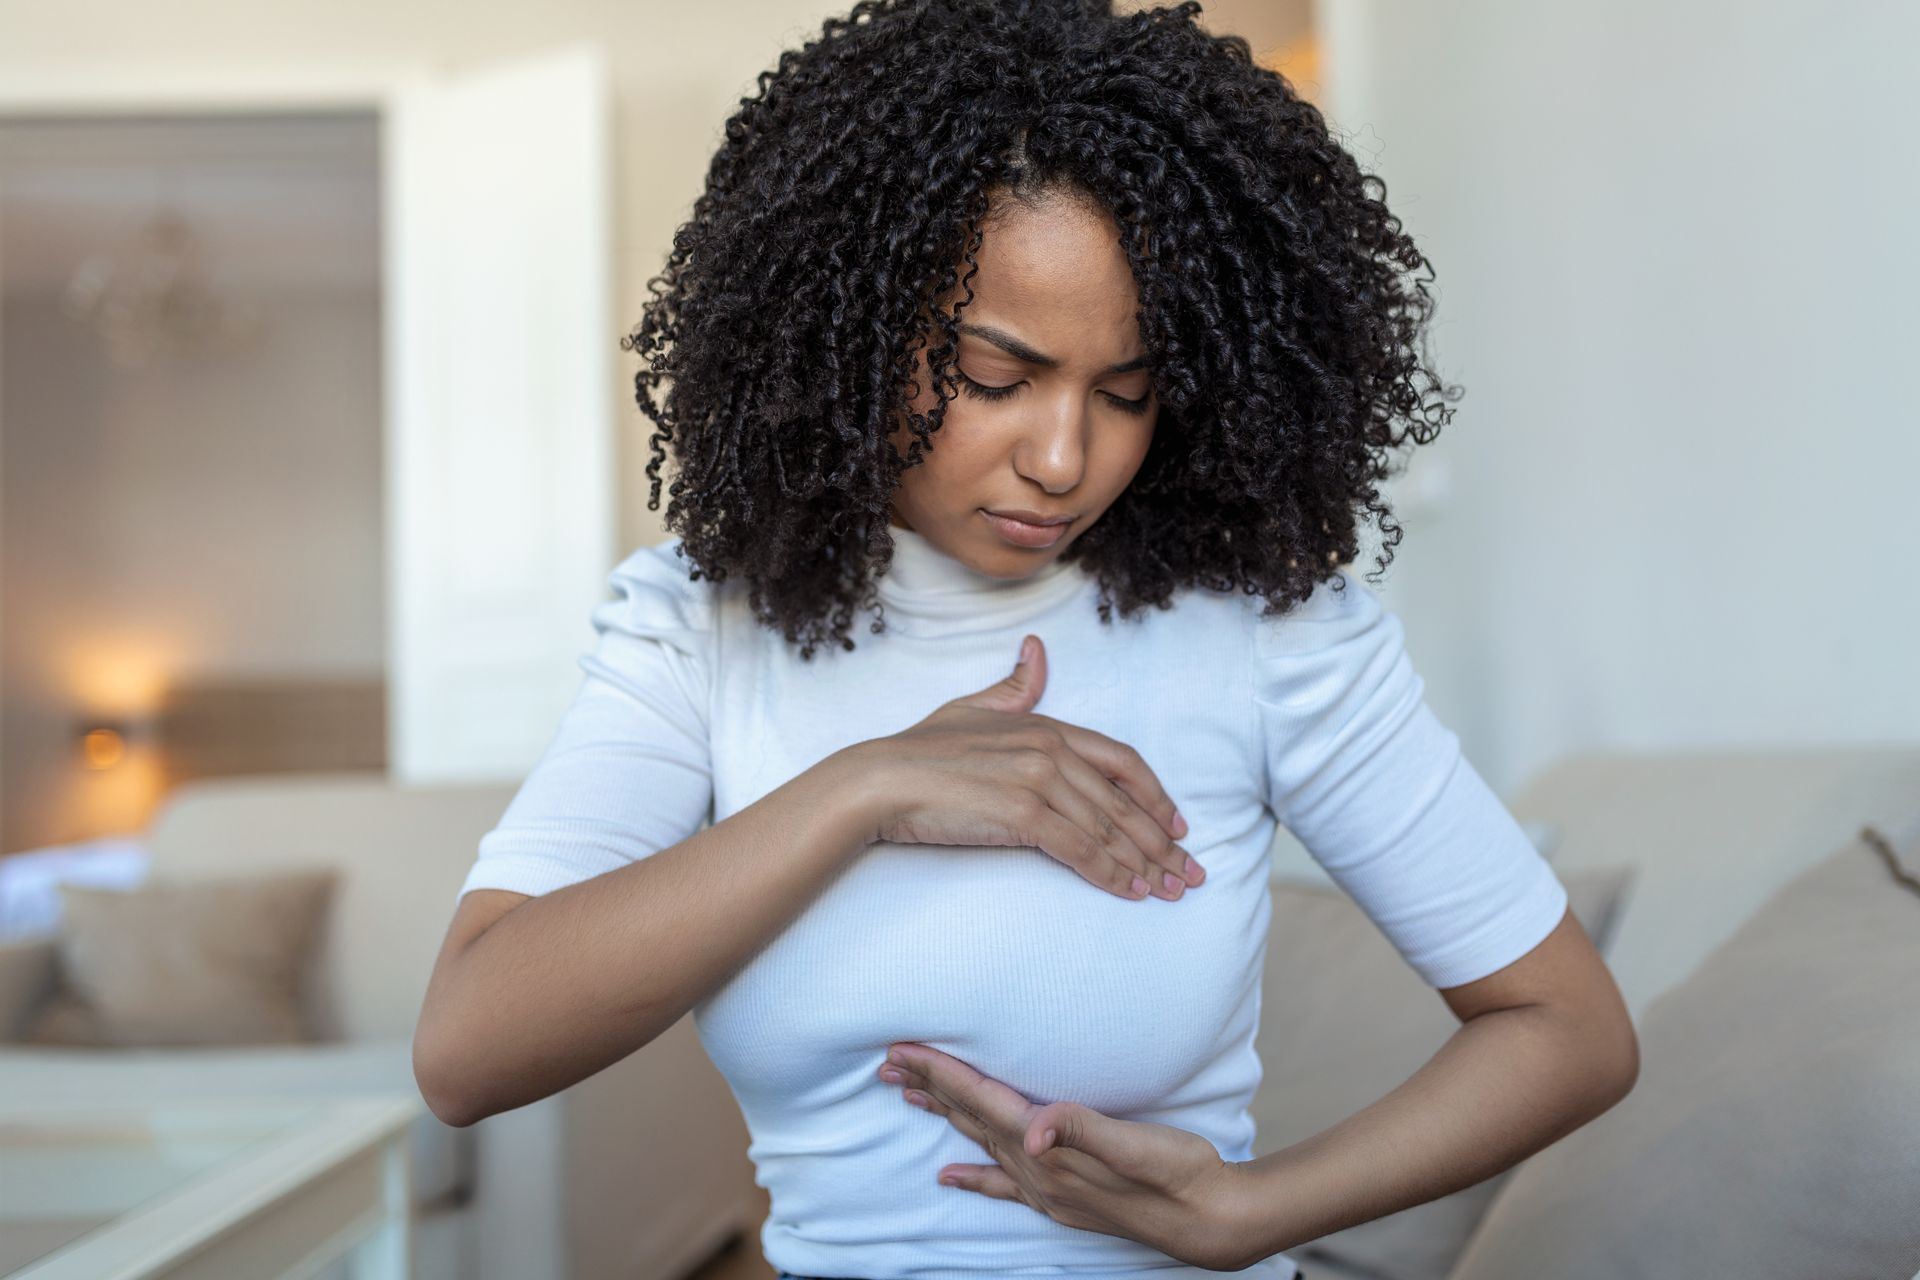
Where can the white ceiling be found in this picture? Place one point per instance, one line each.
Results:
(281, 202)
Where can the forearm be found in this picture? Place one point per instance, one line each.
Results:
(570, 982)
(1505, 1085)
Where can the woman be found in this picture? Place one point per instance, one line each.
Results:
(1019, 327)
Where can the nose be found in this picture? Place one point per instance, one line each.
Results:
(1052, 451)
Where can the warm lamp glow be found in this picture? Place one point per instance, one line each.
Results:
(103, 748)
(122, 673)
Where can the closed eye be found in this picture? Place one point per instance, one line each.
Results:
(982, 391)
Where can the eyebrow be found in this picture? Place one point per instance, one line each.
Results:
(1021, 351)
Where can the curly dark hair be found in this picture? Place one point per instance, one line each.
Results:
(1283, 309)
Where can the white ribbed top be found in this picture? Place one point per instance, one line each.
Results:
(1002, 956)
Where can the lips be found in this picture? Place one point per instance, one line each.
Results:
(1027, 517)
(1022, 533)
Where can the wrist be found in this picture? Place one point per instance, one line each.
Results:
(1250, 1211)
(861, 786)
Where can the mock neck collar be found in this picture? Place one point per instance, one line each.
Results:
(925, 583)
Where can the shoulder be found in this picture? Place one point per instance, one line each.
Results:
(655, 593)
(1342, 616)
(663, 566)
(1332, 684)
(1338, 657)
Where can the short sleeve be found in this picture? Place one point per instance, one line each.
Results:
(1376, 788)
(628, 772)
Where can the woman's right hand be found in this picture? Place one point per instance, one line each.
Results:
(983, 769)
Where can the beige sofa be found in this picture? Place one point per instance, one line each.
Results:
(621, 1175)
(640, 1170)
(1688, 847)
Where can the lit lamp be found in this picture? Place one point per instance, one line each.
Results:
(104, 743)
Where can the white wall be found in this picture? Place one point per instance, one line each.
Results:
(1677, 272)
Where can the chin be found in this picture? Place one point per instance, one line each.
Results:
(1013, 563)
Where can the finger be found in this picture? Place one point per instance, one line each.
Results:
(967, 1124)
(1070, 843)
(921, 1096)
(1088, 1167)
(994, 1103)
(987, 1179)
(913, 1082)
(906, 1077)
(1021, 688)
(1117, 1144)
(1105, 837)
(1129, 771)
(1162, 857)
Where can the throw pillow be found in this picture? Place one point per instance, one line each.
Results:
(1775, 1124)
(185, 962)
(1343, 1022)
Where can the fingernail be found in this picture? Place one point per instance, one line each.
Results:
(1026, 651)
(1139, 885)
(1173, 882)
(1194, 869)
(1180, 823)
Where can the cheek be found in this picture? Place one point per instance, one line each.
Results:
(1122, 460)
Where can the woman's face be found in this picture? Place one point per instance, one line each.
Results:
(1068, 411)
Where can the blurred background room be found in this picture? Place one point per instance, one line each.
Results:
(317, 445)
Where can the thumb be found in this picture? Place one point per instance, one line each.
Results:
(1076, 1125)
(1020, 690)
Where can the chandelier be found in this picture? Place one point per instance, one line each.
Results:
(155, 297)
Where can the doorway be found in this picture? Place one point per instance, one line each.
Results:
(191, 540)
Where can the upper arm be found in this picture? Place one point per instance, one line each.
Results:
(627, 773)
(629, 769)
(1377, 789)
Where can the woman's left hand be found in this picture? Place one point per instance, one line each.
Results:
(1162, 1186)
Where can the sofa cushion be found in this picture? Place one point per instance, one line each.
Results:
(203, 961)
(1344, 1021)
(1774, 1125)
(442, 1156)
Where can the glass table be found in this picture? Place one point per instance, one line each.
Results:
(253, 1188)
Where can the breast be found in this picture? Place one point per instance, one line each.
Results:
(1006, 959)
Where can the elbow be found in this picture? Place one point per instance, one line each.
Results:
(1599, 1056)
(451, 1111)
(440, 1089)
(1614, 1066)
(1605, 1048)
(1629, 1072)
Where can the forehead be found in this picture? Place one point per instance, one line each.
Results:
(1056, 275)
